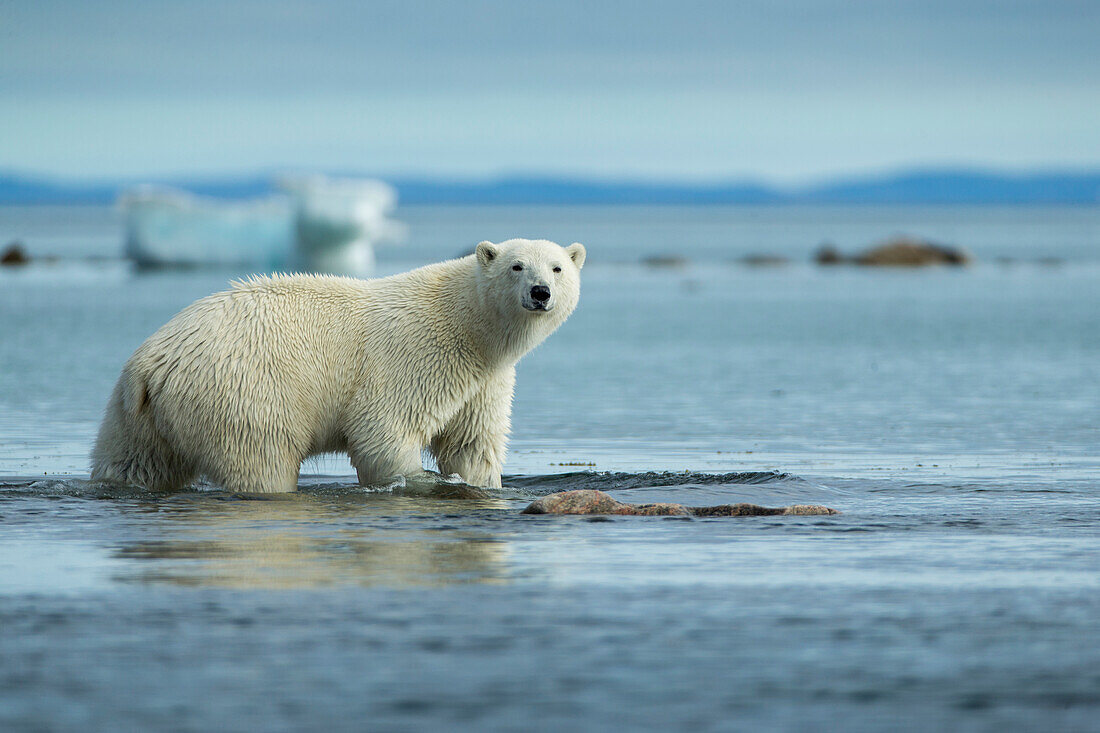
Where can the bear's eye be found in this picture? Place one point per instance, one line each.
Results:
(557, 269)
(517, 268)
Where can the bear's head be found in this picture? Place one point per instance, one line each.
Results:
(533, 278)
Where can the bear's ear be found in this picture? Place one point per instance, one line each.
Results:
(577, 254)
(486, 253)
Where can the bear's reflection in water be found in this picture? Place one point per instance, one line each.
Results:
(317, 538)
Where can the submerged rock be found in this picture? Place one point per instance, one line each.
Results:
(665, 261)
(589, 501)
(763, 260)
(828, 254)
(909, 252)
(14, 255)
(897, 252)
(755, 510)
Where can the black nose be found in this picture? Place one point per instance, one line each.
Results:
(541, 293)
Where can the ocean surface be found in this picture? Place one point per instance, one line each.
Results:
(952, 416)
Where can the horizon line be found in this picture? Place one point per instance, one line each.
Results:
(552, 176)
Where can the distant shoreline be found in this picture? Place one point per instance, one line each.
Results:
(920, 188)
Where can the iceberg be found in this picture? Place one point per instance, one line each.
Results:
(314, 224)
(167, 227)
(337, 222)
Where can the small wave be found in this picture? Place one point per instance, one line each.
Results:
(615, 481)
(77, 488)
(430, 485)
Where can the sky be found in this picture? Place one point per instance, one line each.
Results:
(775, 90)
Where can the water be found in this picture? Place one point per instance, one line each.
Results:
(950, 415)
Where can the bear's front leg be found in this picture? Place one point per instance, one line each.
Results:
(473, 444)
(381, 461)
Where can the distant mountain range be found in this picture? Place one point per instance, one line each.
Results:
(912, 187)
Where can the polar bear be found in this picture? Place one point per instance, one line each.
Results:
(243, 385)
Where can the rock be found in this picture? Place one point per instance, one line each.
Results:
(14, 255)
(589, 501)
(896, 252)
(910, 252)
(755, 510)
(665, 261)
(827, 254)
(763, 260)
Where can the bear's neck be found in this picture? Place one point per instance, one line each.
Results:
(499, 339)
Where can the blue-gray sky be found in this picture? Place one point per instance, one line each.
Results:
(773, 89)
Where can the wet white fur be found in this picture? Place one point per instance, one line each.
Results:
(243, 385)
